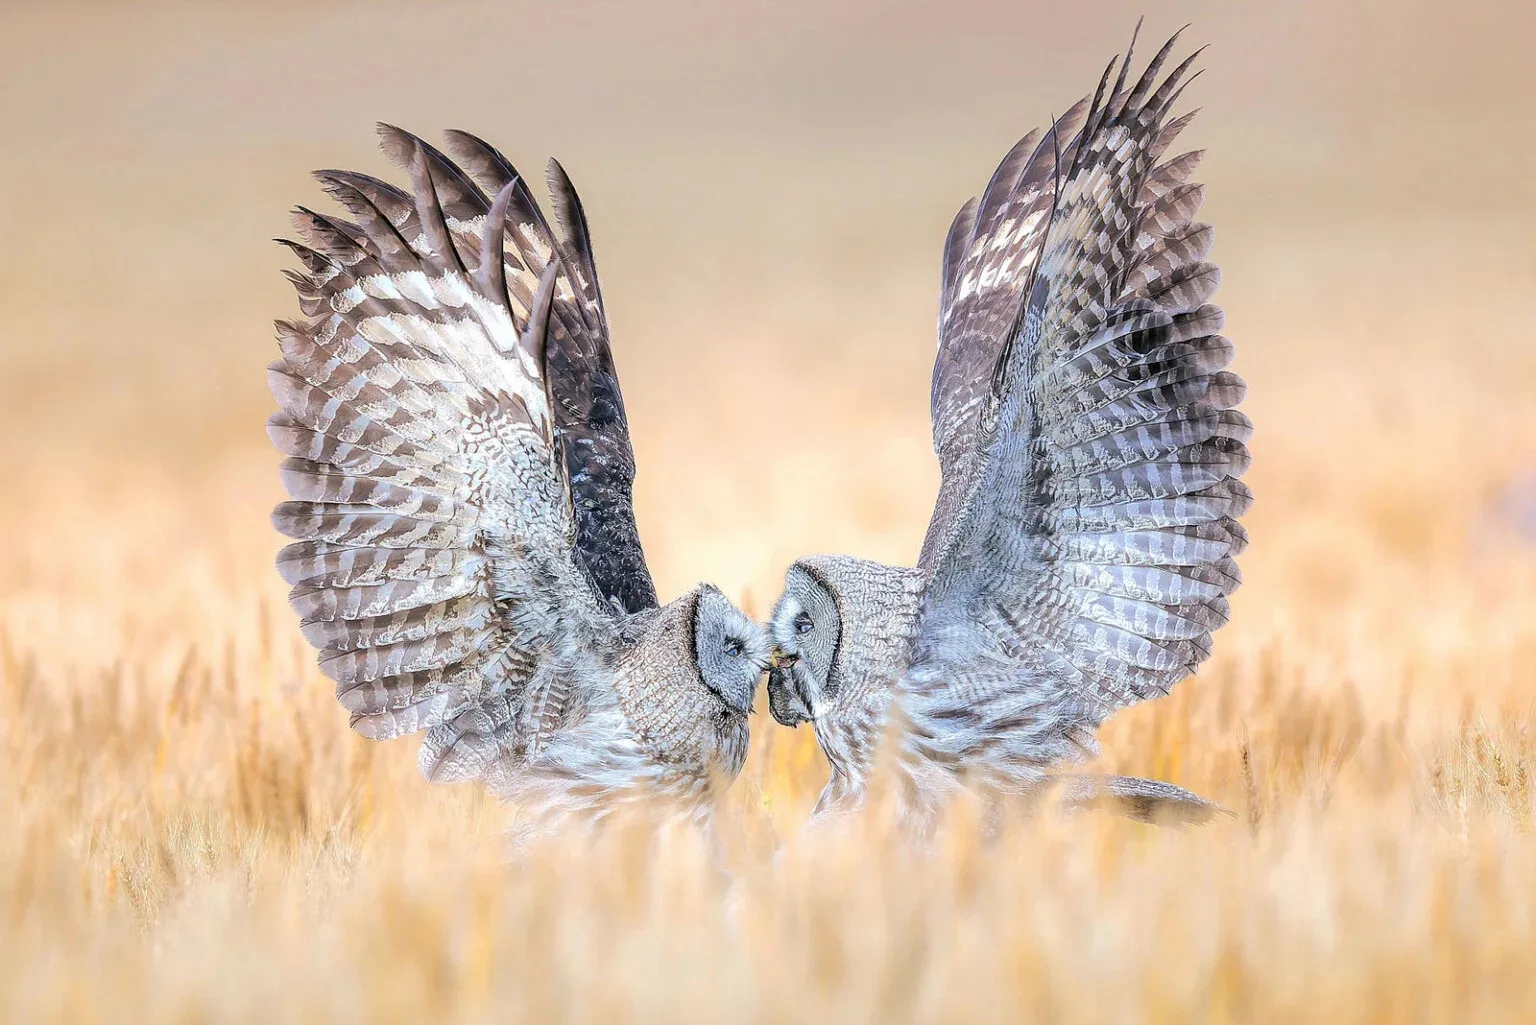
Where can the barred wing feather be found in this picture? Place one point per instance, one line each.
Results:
(437, 563)
(593, 430)
(1088, 518)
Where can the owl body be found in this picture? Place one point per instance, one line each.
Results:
(1083, 541)
(465, 558)
(1001, 720)
(658, 694)
(652, 733)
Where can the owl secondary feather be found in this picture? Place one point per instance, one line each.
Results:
(1082, 545)
(466, 559)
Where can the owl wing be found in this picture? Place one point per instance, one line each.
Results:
(989, 241)
(439, 560)
(592, 429)
(1083, 539)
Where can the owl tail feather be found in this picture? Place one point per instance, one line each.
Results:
(1145, 800)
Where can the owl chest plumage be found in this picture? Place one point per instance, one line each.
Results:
(850, 738)
(880, 605)
(668, 711)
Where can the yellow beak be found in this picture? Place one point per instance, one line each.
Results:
(779, 660)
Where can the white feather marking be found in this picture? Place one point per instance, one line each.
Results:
(1028, 225)
(469, 343)
(1120, 141)
(327, 332)
(414, 286)
(347, 299)
(452, 291)
(1002, 237)
(380, 286)
(540, 247)
(498, 322)
(529, 283)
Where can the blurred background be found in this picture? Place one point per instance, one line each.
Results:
(769, 186)
(187, 815)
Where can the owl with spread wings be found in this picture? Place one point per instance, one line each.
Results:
(465, 554)
(1082, 547)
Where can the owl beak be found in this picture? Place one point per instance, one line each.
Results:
(784, 699)
(778, 659)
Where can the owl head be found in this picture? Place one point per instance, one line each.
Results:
(690, 676)
(729, 650)
(840, 624)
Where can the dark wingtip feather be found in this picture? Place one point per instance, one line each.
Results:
(339, 240)
(536, 334)
(571, 216)
(398, 144)
(955, 247)
(1149, 76)
(362, 200)
(1099, 108)
(1129, 52)
(375, 189)
(429, 208)
(563, 194)
(482, 160)
(491, 273)
(1172, 89)
(315, 262)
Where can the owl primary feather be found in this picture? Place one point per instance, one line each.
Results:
(1082, 545)
(466, 558)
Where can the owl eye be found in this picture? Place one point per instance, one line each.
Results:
(802, 623)
(733, 648)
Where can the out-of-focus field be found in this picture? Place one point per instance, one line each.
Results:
(188, 832)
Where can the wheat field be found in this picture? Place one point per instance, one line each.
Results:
(189, 832)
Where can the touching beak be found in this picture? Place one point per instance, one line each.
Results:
(784, 699)
(778, 659)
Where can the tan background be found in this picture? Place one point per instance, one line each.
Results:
(769, 186)
(189, 832)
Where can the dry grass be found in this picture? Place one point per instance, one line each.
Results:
(194, 835)
(191, 833)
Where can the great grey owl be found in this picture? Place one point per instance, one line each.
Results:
(1082, 546)
(467, 561)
